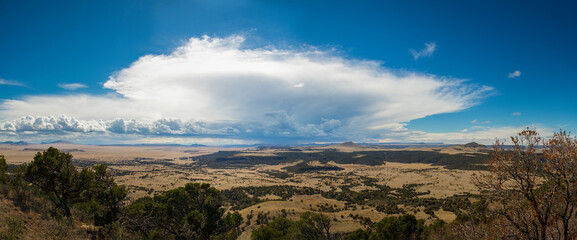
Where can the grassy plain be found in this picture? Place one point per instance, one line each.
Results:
(427, 173)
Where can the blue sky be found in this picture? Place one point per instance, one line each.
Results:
(231, 72)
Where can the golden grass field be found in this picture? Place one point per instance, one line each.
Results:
(151, 175)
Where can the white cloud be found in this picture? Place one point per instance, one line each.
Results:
(72, 86)
(428, 51)
(516, 114)
(514, 74)
(11, 82)
(252, 93)
(118, 129)
(483, 135)
(61, 124)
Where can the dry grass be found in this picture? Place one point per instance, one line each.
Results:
(303, 203)
(18, 224)
(16, 154)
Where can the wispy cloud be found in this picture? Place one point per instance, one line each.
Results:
(514, 74)
(516, 114)
(11, 82)
(481, 134)
(478, 122)
(428, 51)
(72, 86)
(250, 93)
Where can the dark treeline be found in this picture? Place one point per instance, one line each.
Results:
(318, 227)
(230, 159)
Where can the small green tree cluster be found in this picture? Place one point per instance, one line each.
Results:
(52, 186)
(393, 228)
(106, 196)
(190, 212)
(52, 172)
(311, 226)
(3, 170)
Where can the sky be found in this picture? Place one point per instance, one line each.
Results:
(226, 72)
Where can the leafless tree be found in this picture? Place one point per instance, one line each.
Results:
(518, 187)
(560, 171)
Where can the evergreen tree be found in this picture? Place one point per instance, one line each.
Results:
(52, 172)
(192, 212)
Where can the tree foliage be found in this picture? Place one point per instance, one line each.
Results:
(402, 227)
(191, 212)
(311, 226)
(3, 170)
(107, 194)
(395, 228)
(279, 229)
(52, 172)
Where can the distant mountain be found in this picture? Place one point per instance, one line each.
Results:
(401, 145)
(15, 143)
(146, 144)
(471, 147)
(349, 144)
(197, 145)
(58, 142)
(474, 145)
(156, 144)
